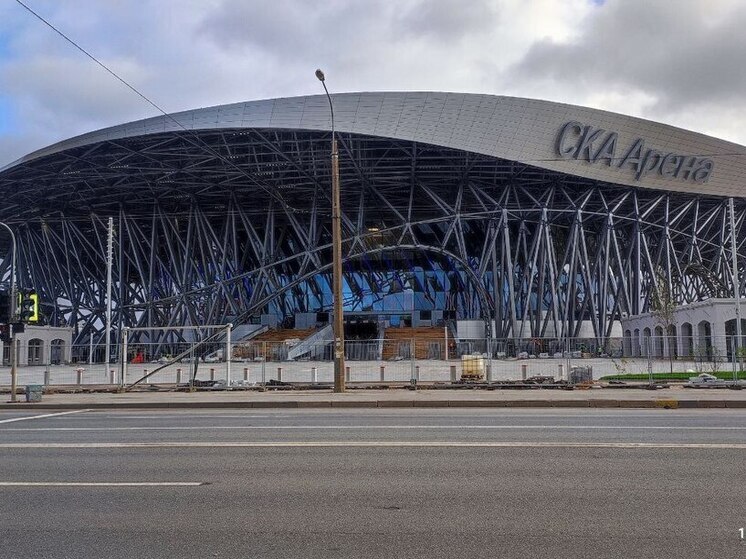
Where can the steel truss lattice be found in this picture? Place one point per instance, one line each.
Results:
(199, 240)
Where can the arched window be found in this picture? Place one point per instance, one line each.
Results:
(57, 352)
(646, 346)
(673, 343)
(687, 339)
(35, 351)
(658, 343)
(704, 339)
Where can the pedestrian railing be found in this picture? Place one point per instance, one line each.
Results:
(375, 361)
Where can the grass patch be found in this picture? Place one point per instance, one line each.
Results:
(723, 375)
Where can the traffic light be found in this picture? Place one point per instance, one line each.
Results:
(28, 305)
(4, 307)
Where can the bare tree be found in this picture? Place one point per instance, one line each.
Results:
(663, 308)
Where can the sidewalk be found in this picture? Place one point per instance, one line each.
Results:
(674, 397)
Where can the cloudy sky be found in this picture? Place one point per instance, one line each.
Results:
(681, 62)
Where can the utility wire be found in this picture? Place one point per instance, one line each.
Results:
(96, 60)
(199, 141)
(230, 163)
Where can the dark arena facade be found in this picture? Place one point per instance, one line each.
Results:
(550, 220)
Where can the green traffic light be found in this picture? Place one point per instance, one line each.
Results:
(28, 305)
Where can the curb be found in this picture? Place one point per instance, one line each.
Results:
(589, 403)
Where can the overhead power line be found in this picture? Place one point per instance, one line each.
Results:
(96, 60)
(199, 142)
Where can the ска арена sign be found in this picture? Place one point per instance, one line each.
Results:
(584, 142)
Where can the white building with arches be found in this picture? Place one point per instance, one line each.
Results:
(705, 329)
(41, 345)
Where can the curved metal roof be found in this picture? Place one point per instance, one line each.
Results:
(596, 144)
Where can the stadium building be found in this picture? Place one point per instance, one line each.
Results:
(542, 219)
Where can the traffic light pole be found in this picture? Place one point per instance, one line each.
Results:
(13, 303)
(13, 368)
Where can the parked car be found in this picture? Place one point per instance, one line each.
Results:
(705, 380)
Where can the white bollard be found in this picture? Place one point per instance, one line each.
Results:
(111, 376)
(212, 373)
(524, 371)
(147, 379)
(178, 376)
(314, 375)
(246, 374)
(561, 371)
(347, 374)
(453, 373)
(80, 376)
(279, 374)
(382, 370)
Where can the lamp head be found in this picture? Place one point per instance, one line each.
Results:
(320, 75)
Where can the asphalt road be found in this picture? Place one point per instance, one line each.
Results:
(373, 483)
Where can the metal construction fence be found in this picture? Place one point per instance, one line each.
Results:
(381, 360)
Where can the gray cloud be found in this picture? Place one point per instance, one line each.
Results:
(293, 27)
(361, 40)
(297, 29)
(678, 62)
(681, 54)
(447, 20)
(74, 87)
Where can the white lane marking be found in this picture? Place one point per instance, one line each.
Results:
(376, 444)
(100, 484)
(28, 417)
(376, 427)
(184, 415)
(416, 413)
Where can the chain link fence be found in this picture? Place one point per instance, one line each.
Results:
(375, 361)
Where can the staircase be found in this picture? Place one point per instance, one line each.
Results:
(429, 343)
(275, 343)
(283, 334)
(313, 346)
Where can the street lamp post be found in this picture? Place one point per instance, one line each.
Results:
(13, 303)
(339, 335)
